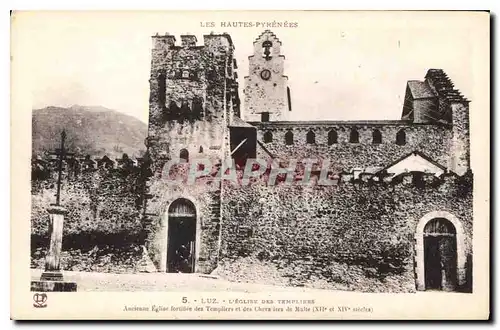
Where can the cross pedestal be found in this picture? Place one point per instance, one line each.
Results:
(52, 278)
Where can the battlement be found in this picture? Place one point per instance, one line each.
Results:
(44, 167)
(353, 179)
(397, 132)
(356, 178)
(168, 41)
(188, 40)
(191, 82)
(340, 123)
(406, 179)
(283, 172)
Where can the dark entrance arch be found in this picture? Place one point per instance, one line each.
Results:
(181, 249)
(440, 255)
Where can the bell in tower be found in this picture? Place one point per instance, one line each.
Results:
(266, 45)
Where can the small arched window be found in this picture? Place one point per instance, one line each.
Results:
(377, 137)
(311, 137)
(401, 138)
(201, 150)
(289, 138)
(268, 137)
(354, 136)
(184, 154)
(332, 137)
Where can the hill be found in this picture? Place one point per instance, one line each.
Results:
(96, 131)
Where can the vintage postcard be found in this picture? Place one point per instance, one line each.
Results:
(250, 165)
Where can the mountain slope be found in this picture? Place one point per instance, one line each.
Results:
(95, 131)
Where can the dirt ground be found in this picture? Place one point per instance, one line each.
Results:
(90, 281)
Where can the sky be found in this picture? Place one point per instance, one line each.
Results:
(340, 65)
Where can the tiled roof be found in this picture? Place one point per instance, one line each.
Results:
(420, 89)
(415, 152)
(238, 122)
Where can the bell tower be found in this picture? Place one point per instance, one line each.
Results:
(266, 91)
(193, 97)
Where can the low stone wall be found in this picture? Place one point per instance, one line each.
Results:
(359, 236)
(131, 258)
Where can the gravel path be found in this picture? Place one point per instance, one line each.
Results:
(89, 281)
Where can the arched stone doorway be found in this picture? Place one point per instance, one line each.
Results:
(181, 237)
(440, 255)
(439, 252)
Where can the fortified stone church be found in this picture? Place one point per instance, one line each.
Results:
(399, 211)
(421, 162)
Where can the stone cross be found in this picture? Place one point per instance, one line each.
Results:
(56, 213)
(61, 154)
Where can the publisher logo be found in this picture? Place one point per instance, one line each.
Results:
(40, 300)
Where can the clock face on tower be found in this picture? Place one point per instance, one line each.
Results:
(265, 74)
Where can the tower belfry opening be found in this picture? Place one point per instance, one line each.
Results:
(266, 45)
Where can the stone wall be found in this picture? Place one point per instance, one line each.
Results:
(352, 236)
(432, 140)
(99, 201)
(460, 146)
(104, 210)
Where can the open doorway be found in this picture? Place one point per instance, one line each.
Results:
(181, 249)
